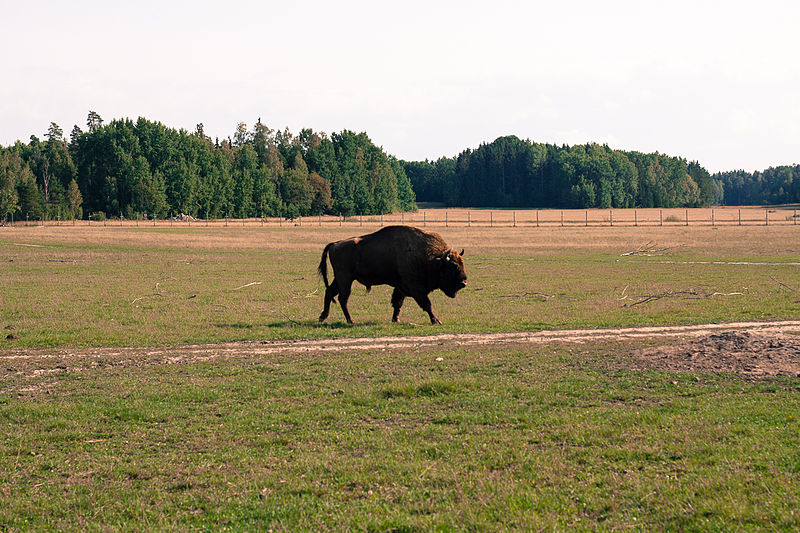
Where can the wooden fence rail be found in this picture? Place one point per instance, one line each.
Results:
(477, 218)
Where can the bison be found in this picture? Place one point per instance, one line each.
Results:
(413, 261)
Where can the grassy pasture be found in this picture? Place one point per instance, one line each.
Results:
(508, 438)
(519, 437)
(101, 286)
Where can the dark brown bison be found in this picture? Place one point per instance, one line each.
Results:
(413, 261)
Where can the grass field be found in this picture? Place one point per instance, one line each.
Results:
(557, 436)
(100, 286)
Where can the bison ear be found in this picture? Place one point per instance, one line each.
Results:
(462, 253)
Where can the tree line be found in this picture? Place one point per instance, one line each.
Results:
(510, 172)
(776, 185)
(145, 169)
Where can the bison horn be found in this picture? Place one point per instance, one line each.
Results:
(462, 253)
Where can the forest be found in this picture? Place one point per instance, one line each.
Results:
(146, 169)
(510, 172)
(776, 185)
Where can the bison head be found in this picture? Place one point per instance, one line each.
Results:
(452, 276)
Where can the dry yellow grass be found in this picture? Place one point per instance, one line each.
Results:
(753, 240)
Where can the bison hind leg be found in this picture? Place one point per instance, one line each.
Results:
(397, 303)
(330, 296)
(344, 295)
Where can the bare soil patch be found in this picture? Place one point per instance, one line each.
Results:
(750, 353)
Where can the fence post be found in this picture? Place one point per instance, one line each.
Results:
(537, 218)
(660, 217)
(445, 219)
(740, 217)
(635, 217)
(687, 217)
(562, 218)
(712, 217)
(515, 219)
(766, 217)
(611, 216)
(423, 218)
(794, 217)
(402, 217)
(586, 213)
(491, 219)
(360, 220)
(469, 219)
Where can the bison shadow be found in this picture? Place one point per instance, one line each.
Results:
(315, 324)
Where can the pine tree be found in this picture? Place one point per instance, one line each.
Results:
(10, 168)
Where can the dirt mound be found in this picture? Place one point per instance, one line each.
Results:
(752, 354)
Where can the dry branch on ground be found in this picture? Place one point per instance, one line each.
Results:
(783, 284)
(156, 293)
(247, 285)
(527, 295)
(648, 250)
(689, 293)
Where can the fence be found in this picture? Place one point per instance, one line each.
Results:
(724, 216)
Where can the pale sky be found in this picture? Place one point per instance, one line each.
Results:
(712, 81)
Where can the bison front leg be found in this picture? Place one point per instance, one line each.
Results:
(397, 303)
(425, 303)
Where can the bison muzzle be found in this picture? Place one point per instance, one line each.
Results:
(413, 261)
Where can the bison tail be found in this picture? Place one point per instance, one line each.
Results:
(323, 266)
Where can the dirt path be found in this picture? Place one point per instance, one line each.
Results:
(757, 348)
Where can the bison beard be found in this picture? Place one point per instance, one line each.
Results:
(413, 261)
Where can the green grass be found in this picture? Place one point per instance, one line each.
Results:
(76, 293)
(553, 437)
(512, 438)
